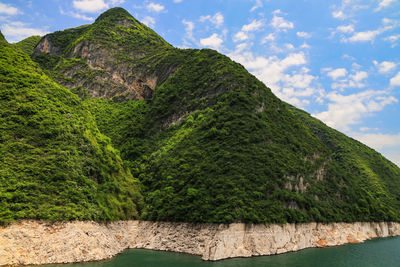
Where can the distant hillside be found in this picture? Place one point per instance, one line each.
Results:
(28, 44)
(210, 142)
(54, 162)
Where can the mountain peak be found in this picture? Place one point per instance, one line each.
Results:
(114, 14)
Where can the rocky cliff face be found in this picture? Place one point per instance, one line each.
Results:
(32, 242)
(103, 59)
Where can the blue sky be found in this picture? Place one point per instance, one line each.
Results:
(338, 60)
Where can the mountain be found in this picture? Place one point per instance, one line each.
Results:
(208, 141)
(54, 162)
(28, 44)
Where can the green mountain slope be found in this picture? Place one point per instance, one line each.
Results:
(28, 44)
(102, 59)
(54, 162)
(210, 142)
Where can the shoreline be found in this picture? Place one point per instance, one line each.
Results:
(35, 242)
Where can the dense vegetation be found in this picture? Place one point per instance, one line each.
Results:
(212, 149)
(54, 162)
(28, 44)
(211, 143)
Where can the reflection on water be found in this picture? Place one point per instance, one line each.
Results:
(378, 252)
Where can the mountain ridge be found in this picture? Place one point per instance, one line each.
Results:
(208, 141)
(54, 163)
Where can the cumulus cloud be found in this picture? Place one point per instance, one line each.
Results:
(189, 31)
(345, 28)
(217, 19)
(385, 66)
(287, 77)
(395, 81)
(279, 23)
(303, 34)
(336, 73)
(370, 35)
(76, 15)
(346, 9)
(240, 36)
(6, 9)
(16, 31)
(268, 38)
(354, 80)
(346, 110)
(393, 39)
(252, 26)
(387, 144)
(384, 4)
(257, 5)
(153, 7)
(149, 21)
(338, 14)
(214, 41)
(90, 6)
(364, 36)
(379, 140)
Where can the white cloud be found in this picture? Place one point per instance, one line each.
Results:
(364, 36)
(395, 81)
(359, 76)
(16, 31)
(243, 34)
(117, 2)
(393, 39)
(378, 140)
(338, 14)
(217, 19)
(90, 6)
(268, 38)
(258, 4)
(155, 7)
(384, 4)
(177, 1)
(354, 80)
(387, 144)
(305, 46)
(337, 73)
(189, 30)
(240, 36)
(345, 28)
(80, 16)
(253, 26)
(76, 15)
(347, 8)
(385, 66)
(149, 21)
(303, 34)
(279, 23)
(346, 110)
(370, 35)
(242, 46)
(8, 9)
(214, 41)
(287, 77)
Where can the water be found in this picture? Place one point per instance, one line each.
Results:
(378, 252)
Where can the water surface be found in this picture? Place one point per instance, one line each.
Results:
(377, 252)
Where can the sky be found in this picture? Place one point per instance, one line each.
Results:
(338, 60)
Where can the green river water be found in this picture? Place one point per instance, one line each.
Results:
(377, 252)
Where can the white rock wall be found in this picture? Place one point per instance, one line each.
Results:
(32, 242)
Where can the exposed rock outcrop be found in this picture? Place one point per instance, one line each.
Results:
(32, 242)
